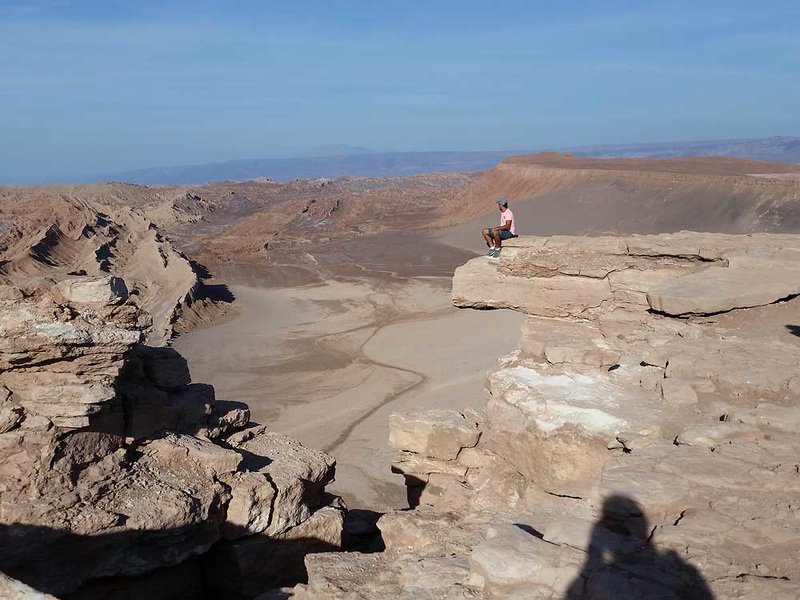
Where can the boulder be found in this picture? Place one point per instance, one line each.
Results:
(204, 454)
(93, 291)
(554, 428)
(355, 576)
(251, 505)
(558, 341)
(479, 284)
(226, 417)
(10, 416)
(165, 368)
(513, 563)
(414, 531)
(415, 465)
(298, 476)
(439, 434)
(110, 512)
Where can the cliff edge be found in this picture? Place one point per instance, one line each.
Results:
(642, 441)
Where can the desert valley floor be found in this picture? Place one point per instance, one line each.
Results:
(327, 362)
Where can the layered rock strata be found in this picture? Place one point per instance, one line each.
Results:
(642, 442)
(113, 463)
(62, 237)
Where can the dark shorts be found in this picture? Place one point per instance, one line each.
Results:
(505, 234)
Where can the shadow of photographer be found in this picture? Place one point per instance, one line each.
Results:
(623, 563)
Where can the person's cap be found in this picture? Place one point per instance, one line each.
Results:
(502, 202)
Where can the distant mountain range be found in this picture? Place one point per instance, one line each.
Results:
(339, 160)
(362, 164)
(338, 150)
(774, 149)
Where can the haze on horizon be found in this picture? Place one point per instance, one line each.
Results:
(100, 86)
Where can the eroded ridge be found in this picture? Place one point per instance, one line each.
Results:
(47, 238)
(642, 442)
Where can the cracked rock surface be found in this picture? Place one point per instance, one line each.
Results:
(642, 442)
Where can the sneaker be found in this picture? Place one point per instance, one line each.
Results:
(497, 252)
(491, 251)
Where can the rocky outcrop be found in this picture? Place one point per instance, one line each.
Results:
(113, 463)
(62, 239)
(678, 274)
(640, 443)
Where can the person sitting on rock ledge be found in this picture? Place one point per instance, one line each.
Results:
(494, 236)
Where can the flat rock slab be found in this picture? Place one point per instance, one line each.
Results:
(716, 290)
(512, 561)
(91, 290)
(433, 433)
(479, 284)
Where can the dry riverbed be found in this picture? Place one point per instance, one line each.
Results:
(327, 363)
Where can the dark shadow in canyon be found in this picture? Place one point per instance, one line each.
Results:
(217, 293)
(794, 329)
(622, 562)
(54, 561)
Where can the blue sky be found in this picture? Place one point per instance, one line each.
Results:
(95, 86)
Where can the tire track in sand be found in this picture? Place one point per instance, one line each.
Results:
(361, 356)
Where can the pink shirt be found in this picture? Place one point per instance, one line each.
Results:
(506, 216)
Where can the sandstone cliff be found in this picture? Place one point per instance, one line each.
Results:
(642, 442)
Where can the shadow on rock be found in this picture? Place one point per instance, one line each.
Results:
(154, 394)
(361, 532)
(414, 487)
(794, 329)
(235, 570)
(622, 563)
(216, 292)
